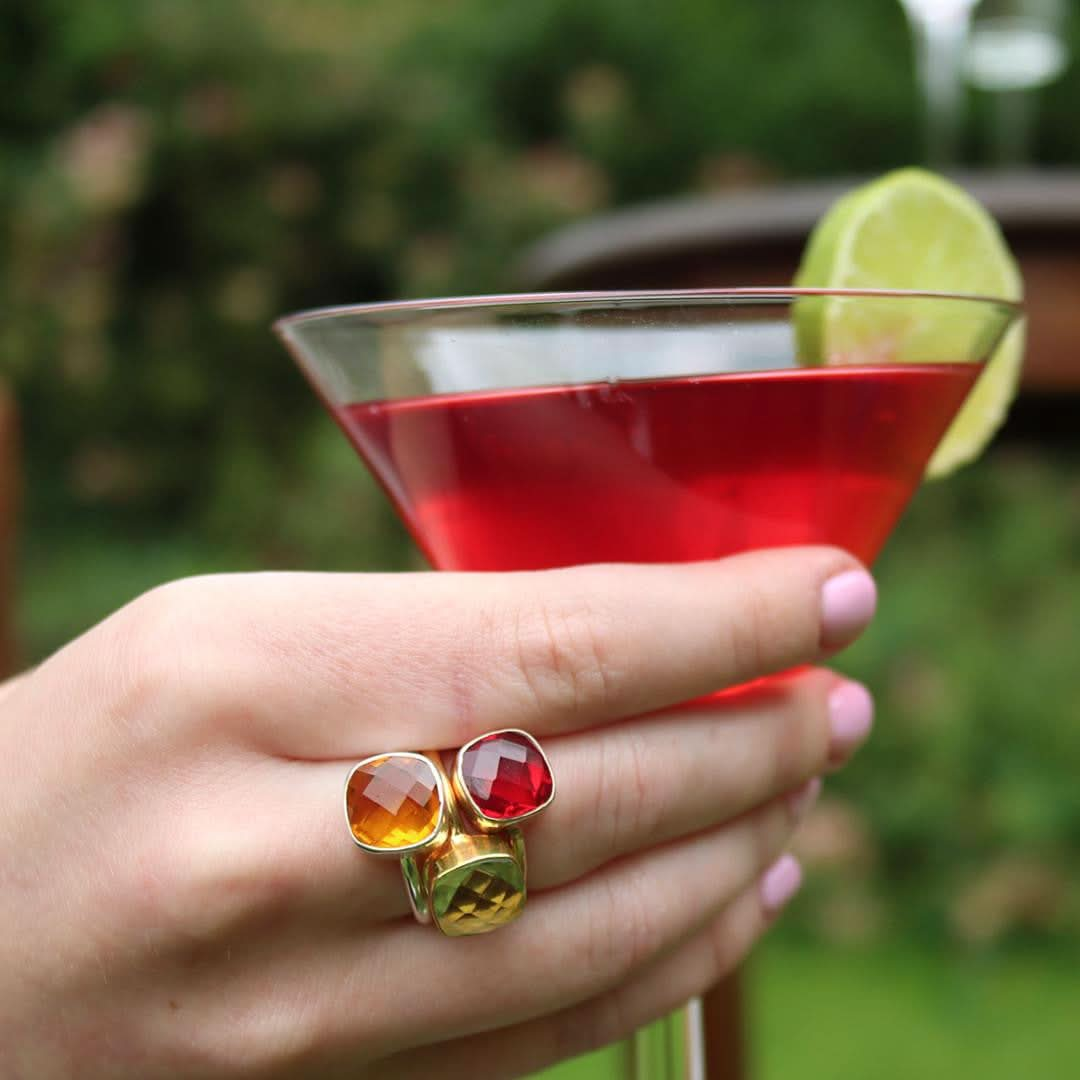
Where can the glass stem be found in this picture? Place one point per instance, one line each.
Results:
(671, 1048)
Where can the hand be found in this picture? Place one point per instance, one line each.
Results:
(178, 892)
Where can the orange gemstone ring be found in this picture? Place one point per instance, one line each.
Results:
(395, 803)
(462, 854)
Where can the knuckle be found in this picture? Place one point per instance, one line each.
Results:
(771, 830)
(283, 1038)
(772, 627)
(209, 886)
(749, 634)
(234, 893)
(801, 744)
(180, 666)
(627, 811)
(149, 643)
(571, 1034)
(140, 628)
(638, 928)
(729, 940)
(624, 931)
(162, 615)
(647, 810)
(578, 1031)
(563, 655)
(257, 1036)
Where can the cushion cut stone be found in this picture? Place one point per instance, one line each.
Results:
(478, 896)
(393, 802)
(506, 775)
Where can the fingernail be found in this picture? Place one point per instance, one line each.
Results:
(851, 715)
(848, 602)
(802, 799)
(780, 883)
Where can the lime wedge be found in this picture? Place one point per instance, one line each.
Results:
(911, 229)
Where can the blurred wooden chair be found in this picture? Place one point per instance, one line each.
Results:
(757, 238)
(9, 501)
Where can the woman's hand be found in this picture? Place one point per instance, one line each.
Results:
(179, 895)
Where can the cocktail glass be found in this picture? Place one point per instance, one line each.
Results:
(529, 432)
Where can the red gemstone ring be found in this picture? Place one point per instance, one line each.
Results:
(504, 777)
(461, 851)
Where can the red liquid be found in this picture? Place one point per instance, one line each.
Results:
(659, 470)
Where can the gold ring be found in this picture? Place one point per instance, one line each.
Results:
(462, 854)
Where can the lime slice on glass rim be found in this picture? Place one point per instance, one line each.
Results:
(911, 229)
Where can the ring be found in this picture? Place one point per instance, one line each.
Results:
(462, 854)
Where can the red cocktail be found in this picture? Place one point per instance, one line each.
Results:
(657, 470)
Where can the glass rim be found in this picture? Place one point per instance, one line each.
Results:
(747, 294)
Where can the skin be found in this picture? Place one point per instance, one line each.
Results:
(180, 896)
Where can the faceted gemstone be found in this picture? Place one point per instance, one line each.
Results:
(478, 896)
(506, 775)
(393, 802)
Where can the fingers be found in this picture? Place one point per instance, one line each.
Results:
(655, 991)
(645, 782)
(338, 666)
(575, 943)
(621, 789)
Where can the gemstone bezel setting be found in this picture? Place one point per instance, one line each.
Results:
(476, 884)
(438, 832)
(462, 790)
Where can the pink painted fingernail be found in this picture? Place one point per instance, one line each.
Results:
(848, 602)
(851, 715)
(780, 883)
(801, 800)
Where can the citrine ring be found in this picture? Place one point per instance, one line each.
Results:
(454, 831)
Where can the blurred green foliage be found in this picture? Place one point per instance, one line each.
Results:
(174, 175)
(891, 1012)
(961, 816)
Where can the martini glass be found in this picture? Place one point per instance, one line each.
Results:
(529, 432)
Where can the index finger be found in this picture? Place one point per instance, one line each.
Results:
(343, 665)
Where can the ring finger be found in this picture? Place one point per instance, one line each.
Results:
(621, 789)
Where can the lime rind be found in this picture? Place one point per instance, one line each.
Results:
(913, 230)
(986, 407)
